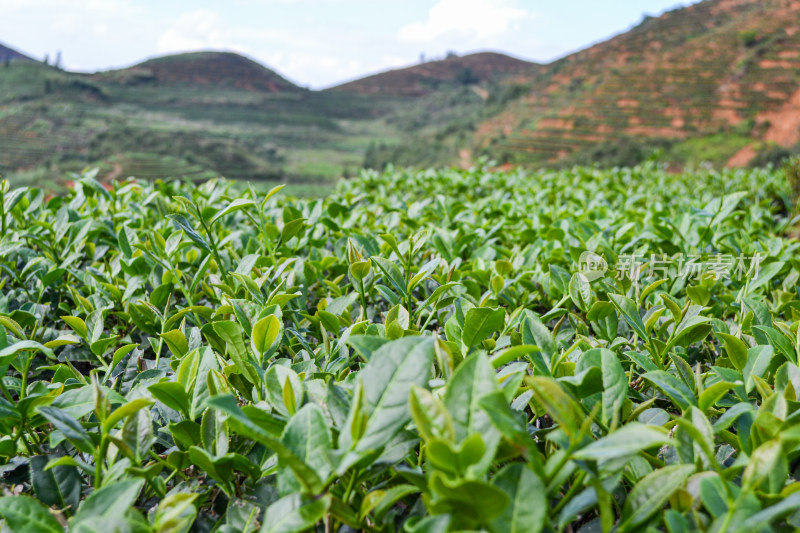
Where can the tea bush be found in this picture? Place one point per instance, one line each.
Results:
(420, 351)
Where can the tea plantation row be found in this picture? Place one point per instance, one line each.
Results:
(420, 351)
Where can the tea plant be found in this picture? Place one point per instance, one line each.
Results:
(420, 351)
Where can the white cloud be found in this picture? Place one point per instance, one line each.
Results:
(310, 41)
(90, 33)
(279, 2)
(194, 30)
(466, 21)
(65, 23)
(394, 61)
(323, 69)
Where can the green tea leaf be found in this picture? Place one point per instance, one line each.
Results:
(232, 335)
(557, 403)
(71, 428)
(109, 501)
(23, 514)
(527, 511)
(651, 493)
(480, 323)
(172, 395)
(265, 333)
(292, 513)
(628, 440)
(736, 350)
(672, 387)
(631, 314)
(307, 435)
(235, 205)
(182, 223)
(387, 378)
(59, 486)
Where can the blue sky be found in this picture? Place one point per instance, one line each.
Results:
(315, 43)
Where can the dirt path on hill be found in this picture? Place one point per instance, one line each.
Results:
(464, 158)
(784, 123)
(115, 173)
(742, 157)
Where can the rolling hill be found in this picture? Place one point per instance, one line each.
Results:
(718, 82)
(216, 113)
(215, 69)
(422, 79)
(727, 71)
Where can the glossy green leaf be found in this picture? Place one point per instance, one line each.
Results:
(232, 335)
(109, 501)
(292, 513)
(235, 205)
(59, 486)
(24, 514)
(172, 395)
(676, 390)
(480, 323)
(184, 224)
(736, 350)
(628, 440)
(631, 314)
(308, 437)
(527, 511)
(387, 379)
(71, 428)
(558, 404)
(651, 493)
(265, 333)
(472, 380)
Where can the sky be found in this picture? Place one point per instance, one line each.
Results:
(314, 43)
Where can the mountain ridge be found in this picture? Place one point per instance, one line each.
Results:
(423, 78)
(9, 54)
(207, 67)
(717, 81)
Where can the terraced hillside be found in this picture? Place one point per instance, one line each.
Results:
(717, 82)
(190, 116)
(729, 66)
(213, 113)
(425, 78)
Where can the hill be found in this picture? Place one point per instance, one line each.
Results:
(427, 77)
(718, 81)
(9, 54)
(221, 69)
(190, 116)
(727, 71)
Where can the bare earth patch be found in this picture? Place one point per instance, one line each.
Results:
(784, 123)
(742, 157)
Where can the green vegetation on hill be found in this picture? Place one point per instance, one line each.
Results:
(506, 352)
(52, 122)
(428, 77)
(223, 69)
(715, 69)
(713, 83)
(209, 114)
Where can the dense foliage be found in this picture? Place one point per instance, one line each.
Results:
(429, 351)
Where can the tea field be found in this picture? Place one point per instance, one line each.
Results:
(420, 351)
